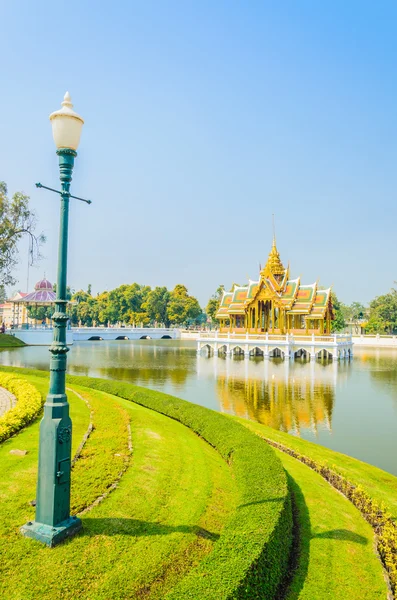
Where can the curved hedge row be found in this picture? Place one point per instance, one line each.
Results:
(28, 406)
(250, 559)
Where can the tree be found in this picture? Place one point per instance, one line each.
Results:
(83, 308)
(355, 312)
(338, 323)
(40, 312)
(214, 302)
(156, 305)
(16, 220)
(182, 309)
(383, 313)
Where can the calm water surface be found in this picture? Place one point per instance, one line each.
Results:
(349, 407)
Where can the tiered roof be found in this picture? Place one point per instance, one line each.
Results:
(289, 294)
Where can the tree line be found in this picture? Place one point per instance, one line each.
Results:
(135, 304)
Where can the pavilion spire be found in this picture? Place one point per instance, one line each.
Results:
(274, 264)
(274, 232)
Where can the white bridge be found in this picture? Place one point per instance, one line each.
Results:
(85, 334)
(42, 336)
(335, 346)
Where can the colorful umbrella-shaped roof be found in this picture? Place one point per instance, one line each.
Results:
(43, 294)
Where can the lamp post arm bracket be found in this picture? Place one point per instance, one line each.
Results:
(40, 185)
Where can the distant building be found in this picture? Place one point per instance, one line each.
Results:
(356, 327)
(14, 314)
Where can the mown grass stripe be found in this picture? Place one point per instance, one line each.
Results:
(89, 428)
(156, 526)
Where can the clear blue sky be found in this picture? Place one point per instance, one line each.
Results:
(202, 119)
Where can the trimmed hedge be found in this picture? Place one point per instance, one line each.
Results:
(28, 406)
(250, 559)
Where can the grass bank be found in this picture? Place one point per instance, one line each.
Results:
(9, 341)
(334, 554)
(201, 509)
(353, 479)
(187, 518)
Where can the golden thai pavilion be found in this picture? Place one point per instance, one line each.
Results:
(276, 304)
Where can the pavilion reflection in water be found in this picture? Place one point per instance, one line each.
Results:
(287, 396)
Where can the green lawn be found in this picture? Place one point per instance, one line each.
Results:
(165, 515)
(152, 515)
(9, 341)
(380, 485)
(377, 484)
(335, 556)
(18, 473)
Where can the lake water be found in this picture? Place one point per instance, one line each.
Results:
(349, 407)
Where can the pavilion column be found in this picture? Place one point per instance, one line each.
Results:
(272, 316)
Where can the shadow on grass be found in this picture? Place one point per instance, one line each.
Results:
(137, 528)
(302, 534)
(342, 534)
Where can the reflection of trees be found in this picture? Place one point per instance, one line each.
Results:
(145, 376)
(382, 366)
(148, 362)
(285, 405)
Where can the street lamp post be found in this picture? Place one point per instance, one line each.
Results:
(53, 522)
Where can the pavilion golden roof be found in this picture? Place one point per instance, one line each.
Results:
(290, 294)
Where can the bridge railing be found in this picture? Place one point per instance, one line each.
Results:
(316, 339)
(121, 330)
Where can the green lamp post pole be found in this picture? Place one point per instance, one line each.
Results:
(53, 522)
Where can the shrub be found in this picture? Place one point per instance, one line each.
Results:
(28, 406)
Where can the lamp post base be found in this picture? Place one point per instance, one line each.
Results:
(51, 536)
